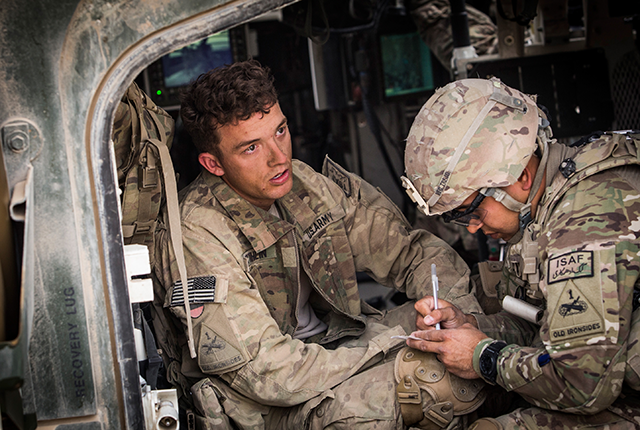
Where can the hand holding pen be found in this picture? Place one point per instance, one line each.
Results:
(434, 284)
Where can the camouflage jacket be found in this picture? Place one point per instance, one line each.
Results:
(244, 268)
(587, 230)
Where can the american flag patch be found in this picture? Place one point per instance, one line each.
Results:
(201, 290)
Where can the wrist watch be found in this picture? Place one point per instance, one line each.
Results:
(489, 360)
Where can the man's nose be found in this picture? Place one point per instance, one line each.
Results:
(278, 153)
(472, 228)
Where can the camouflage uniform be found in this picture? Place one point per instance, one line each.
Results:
(432, 17)
(588, 255)
(578, 260)
(244, 267)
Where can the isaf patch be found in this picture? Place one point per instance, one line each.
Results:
(200, 290)
(578, 264)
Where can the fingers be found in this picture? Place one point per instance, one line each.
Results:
(421, 325)
(449, 317)
(429, 335)
(453, 347)
(424, 306)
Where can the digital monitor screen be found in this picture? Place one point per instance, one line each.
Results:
(184, 65)
(406, 64)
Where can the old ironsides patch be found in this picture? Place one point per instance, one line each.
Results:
(578, 264)
(216, 354)
(577, 314)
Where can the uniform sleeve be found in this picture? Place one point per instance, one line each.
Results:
(237, 339)
(581, 368)
(507, 327)
(591, 266)
(386, 247)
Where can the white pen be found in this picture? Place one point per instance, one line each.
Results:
(434, 284)
(406, 337)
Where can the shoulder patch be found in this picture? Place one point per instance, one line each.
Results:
(202, 289)
(578, 314)
(578, 264)
(338, 175)
(215, 353)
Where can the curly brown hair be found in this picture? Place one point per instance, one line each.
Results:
(225, 95)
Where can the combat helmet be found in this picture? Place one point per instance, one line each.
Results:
(472, 135)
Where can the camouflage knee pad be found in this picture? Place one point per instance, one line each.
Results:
(430, 396)
(486, 424)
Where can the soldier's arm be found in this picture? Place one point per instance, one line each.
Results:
(507, 327)
(582, 365)
(592, 253)
(386, 247)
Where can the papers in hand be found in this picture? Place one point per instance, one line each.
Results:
(406, 337)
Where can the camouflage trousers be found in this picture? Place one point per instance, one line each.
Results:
(535, 418)
(366, 400)
(513, 412)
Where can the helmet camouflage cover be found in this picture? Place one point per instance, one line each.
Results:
(471, 134)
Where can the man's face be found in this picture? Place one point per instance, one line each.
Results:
(254, 157)
(495, 220)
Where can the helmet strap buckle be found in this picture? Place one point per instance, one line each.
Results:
(415, 195)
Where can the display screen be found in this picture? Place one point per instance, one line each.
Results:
(184, 65)
(406, 64)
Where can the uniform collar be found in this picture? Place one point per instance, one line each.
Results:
(295, 207)
(259, 227)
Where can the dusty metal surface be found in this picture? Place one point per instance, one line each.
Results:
(63, 66)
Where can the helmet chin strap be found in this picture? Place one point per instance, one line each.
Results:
(524, 212)
(524, 209)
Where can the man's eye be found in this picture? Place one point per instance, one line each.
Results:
(282, 130)
(250, 148)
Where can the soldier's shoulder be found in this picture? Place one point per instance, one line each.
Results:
(347, 181)
(198, 197)
(312, 181)
(601, 207)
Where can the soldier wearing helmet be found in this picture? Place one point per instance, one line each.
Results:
(481, 154)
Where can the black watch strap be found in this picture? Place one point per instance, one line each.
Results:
(489, 360)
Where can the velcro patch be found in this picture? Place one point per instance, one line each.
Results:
(578, 264)
(334, 172)
(201, 290)
(289, 257)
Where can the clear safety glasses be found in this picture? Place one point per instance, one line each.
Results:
(471, 216)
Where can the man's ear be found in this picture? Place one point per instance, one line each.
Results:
(525, 181)
(211, 163)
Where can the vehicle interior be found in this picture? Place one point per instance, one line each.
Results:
(350, 75)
